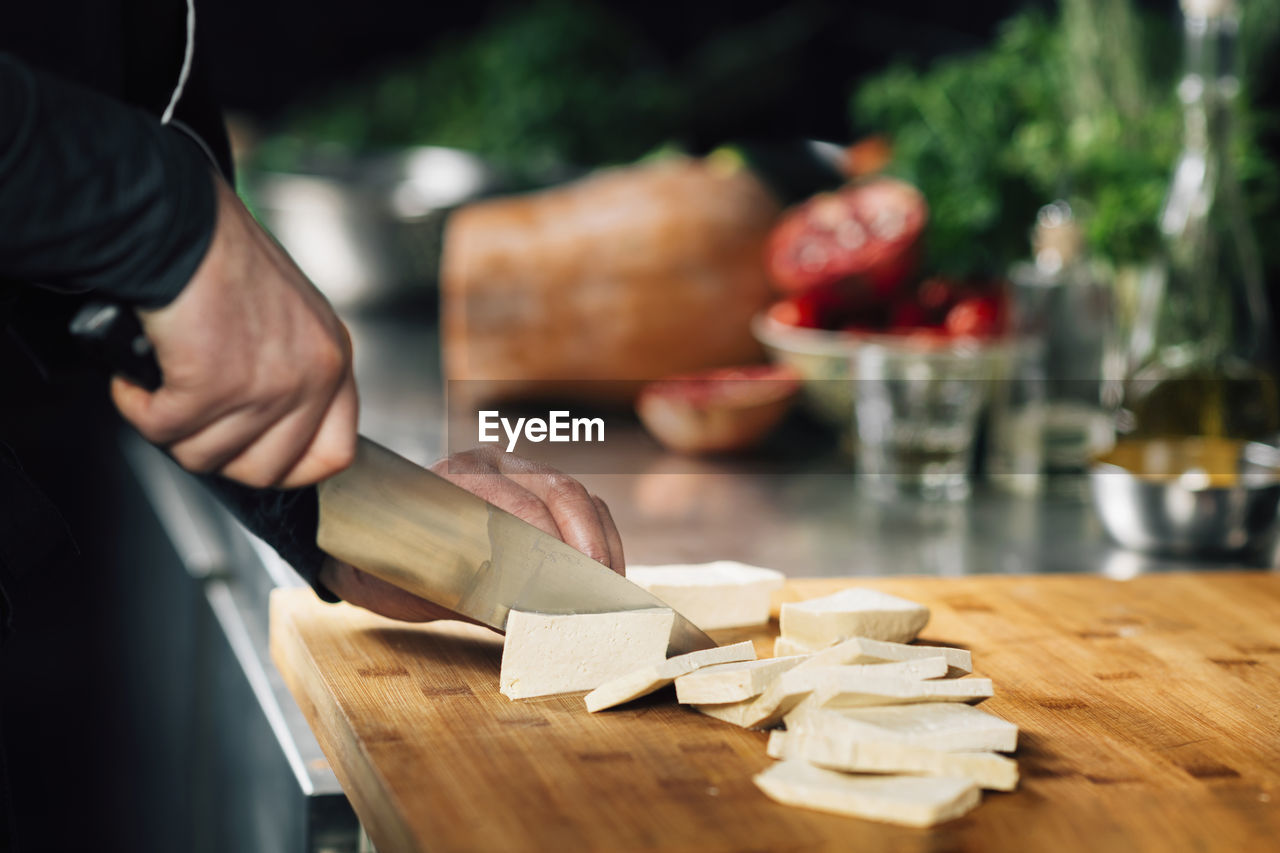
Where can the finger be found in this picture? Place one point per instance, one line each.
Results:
(331, 448)
(274, 450)
(476, 473)
(617, 561)
(231, 437)
(159, 416)
(573, 510)
(374, 594)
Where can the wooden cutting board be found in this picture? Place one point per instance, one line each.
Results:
(1149, 713)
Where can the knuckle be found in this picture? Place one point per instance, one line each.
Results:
(331, 362)
(563, 489)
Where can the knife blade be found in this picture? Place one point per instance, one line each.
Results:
(413, 528)
(406, 525)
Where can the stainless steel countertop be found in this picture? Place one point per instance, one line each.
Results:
(804, 522)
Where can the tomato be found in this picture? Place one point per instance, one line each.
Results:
(866, 233)
(824, 307)
(936, 294)
(976, 317)
(907, 316)
(719, 410)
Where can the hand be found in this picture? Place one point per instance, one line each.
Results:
(257, 368)
(549, 500)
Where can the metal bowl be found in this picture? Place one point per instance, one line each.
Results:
(367, 230)
(1189, 515)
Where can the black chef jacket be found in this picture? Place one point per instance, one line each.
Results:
(98, 197)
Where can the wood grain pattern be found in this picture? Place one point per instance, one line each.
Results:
(1150, 716)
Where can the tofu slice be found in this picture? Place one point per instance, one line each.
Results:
(866, 650)
(946, 726)
(898, 690)
(731, 682)
(723, 594)
(907, 800)
(556, 653)
(837, 751)
(792, 688)
(854, 612)
(787, 647)
(644, 681)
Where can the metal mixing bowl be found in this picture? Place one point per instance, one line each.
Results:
(1188, 515)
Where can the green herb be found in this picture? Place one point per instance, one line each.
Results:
(1080, 106)
(547, 85)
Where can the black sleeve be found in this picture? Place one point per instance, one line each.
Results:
(95, 194)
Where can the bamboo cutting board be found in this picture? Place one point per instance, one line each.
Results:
(1149, 713)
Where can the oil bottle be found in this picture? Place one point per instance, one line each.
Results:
(1201, 382)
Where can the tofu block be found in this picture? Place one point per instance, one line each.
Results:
(723, 594)
(556, 653)
(946, 726)
(898, 691)
(731, 682)
(792, 687)
(644, 681)
(854, 612)
(906, 800)
(837, 751)
(866, 650)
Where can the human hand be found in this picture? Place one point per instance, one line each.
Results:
(546, 498)
(258, 384)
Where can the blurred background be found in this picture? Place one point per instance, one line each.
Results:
(849, 283)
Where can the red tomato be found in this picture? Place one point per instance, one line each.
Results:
(937, 294)
(825, 307)
(868, 232)
(907, 316)
(976, 317)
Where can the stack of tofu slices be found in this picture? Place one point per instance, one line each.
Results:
(865, 723)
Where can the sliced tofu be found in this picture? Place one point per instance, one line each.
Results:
(837, 751)
(723, 594)
(792, 687)
(731, 682)
(907, 800)
(946, 726)
(786, 647)
(555, 653)
(656, 676)
(898, 690)
(867, 650)
(854, 612)
(776, 746)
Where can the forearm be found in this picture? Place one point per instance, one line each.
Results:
(96, 195)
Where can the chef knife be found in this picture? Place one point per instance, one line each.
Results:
(406, 525)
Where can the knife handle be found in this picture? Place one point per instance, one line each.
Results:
(112, 335)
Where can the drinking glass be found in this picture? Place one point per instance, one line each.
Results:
(916, 408)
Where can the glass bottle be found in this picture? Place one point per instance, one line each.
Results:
(1048, 420)
(1201, 341)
